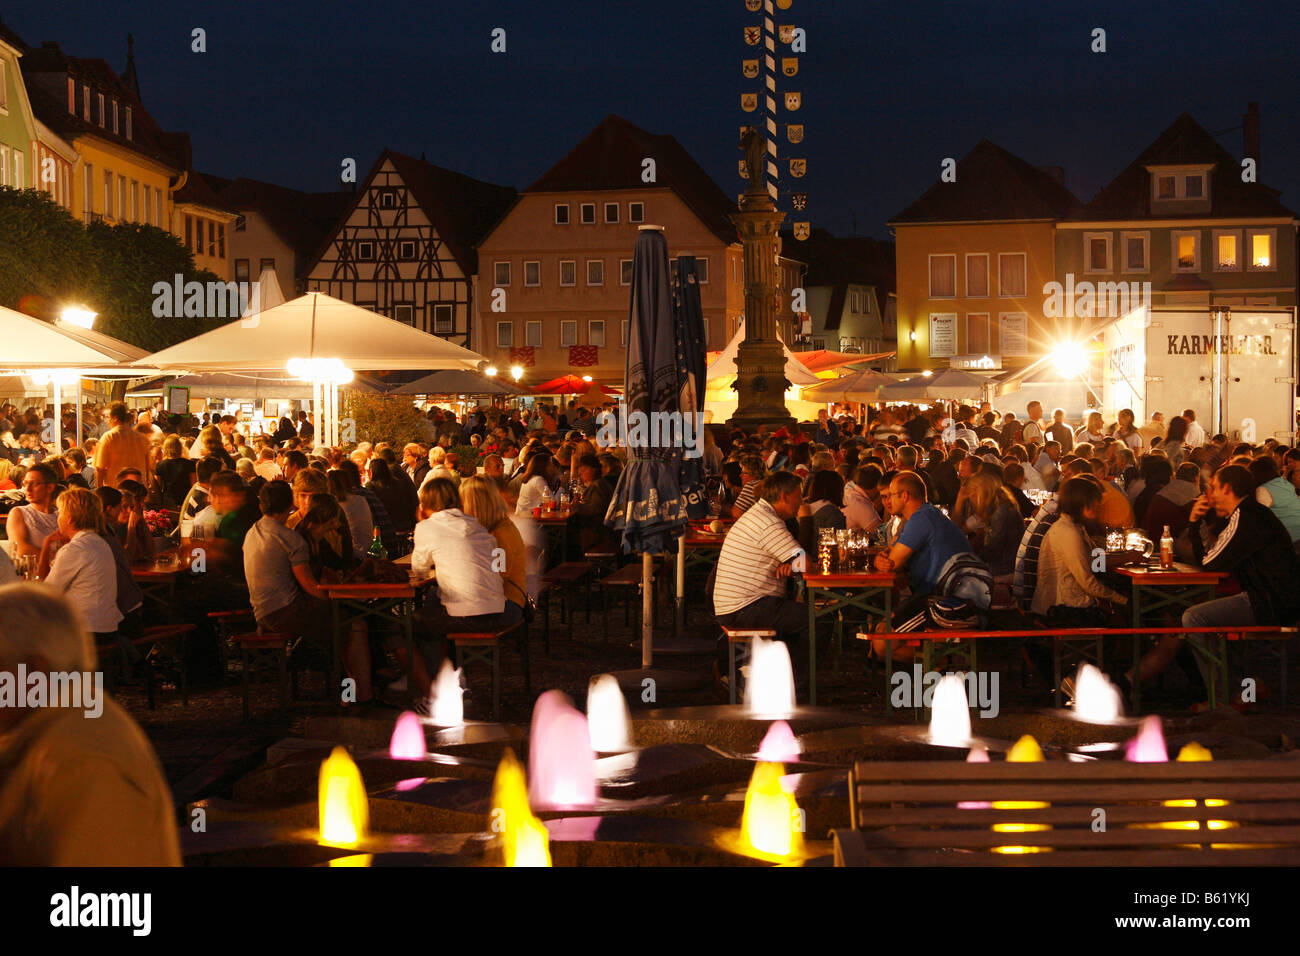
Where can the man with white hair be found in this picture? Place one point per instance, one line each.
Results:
(79, 785)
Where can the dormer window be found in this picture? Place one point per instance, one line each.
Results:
(1170, 184)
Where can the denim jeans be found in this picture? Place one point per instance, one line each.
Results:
(1217, 613)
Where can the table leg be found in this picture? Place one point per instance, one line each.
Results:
(408, 628)
(812, 646)
(1135, 698)
(336, 650)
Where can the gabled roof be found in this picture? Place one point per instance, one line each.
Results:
(992, 185)
(841, 262)
(147, 139)
(463, 210)
(610, 157)
(301, 220)
(197, 191)
(1128, 195)
(11, 38)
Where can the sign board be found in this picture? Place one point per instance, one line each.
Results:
(943, 335)
(978, 363)
(178, 399)
(1014, 331)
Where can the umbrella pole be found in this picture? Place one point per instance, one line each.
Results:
(58, 418)
(647, 610)
(679, 600)
(78, 441)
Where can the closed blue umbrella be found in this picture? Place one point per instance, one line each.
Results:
(691, 374)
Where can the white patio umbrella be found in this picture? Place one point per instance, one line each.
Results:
(949, 385)
(457, 382)
(853, 387)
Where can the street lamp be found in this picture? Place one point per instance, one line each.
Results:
(516, 372)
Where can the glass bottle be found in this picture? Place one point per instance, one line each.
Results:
(377, 549)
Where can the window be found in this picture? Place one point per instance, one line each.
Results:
(444, 319)
(943, 277)
(366, 251)
(85, 103)
(977, 275)
(1165, 187)
(72, 96)
(1193, 187)
(587, 213)
(89, 188)
(505, 335)
(4, 88)
(1135, 246)
(158, 209)
(1096, 246)
(1011, 274)
(568, 333)
(532, 272)
(99, 99)
(624, 271)
(702, 270)
(595, 272)
(16, 171)
(241, 270)
(1186, 251)
(4, 165)
(212, 238)
(108, 201)
(568, 272)
(388, 199)
(561, 213)
(189, 233)
(611, 212)
(596, 333)
(221, 240)
(129, 134)
(1174, 183)
(404, 312)
(978, 334)
(623, 333)
(115, 126)
(501, 273)
(264, 264)
(1227, 250)
(636, 212)
(121, 202)
(533, 334)
(1259, 246)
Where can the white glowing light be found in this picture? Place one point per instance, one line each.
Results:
(320, 370)
(75, 315)
(1070, 360)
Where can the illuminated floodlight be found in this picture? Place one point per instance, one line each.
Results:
(76, 315)
(1070, 360)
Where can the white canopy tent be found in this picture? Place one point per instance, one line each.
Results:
(949, 385)
(325, 339)
(457, 382)
(853, 387)
(725, 363)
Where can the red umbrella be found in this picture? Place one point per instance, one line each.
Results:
(569, 385)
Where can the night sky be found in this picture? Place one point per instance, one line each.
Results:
(285, 93)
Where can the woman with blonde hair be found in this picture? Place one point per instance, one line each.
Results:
(481, 499)
(84, 569)
(988, 513)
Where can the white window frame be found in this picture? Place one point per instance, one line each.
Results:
(702, 269)
(611, 206)
(1173, 250)
(509, 328)
(403, 244)
(567, 218)
(569, 332)
(533, 334)
(1124, 238)
(992, 329)
(594, 326)
(582, 213)
(4, 165)
(361, 256)
(116, 128)
(636, 212)
(4, 88)
(99, 98)
(387, 199)
(16, 169)
(409, 308)
(930, 274)
(1091, 267)
(1180, 176)
(587, 271)
(1013, 295)
(621, 279)
(88, 186)
(1215, 236)
(438, 308)
(1250, 253)
(129, 133)
(574, 280)
(987, 285)
(496, 274)
(537, 278)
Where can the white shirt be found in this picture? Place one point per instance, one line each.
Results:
(858, 509)
(1032, 431)
(530, 495)
(751, 552)
(534, 550)
(1195, 435)
(1032, 478)
(460, 550)
(85, 572)
(205, 524)
(360, 521)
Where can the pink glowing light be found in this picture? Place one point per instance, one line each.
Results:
(976, 755)
(779, 745)
(561, 761)
(410, 783)
(1149, 744)
(408, 738)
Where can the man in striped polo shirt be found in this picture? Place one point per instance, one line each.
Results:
(754, 564)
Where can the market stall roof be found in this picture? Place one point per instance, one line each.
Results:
(454, 381)
(853, 387)
(319, 326)
(950, 384)
(725, 363)
(819, 360)
(35, 344)
(238, 386)
(570, 385)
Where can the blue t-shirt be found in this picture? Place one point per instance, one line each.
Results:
(933, 540)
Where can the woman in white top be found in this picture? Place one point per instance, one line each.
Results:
(1093, 430)
(84, 569)
(537, 483)
(29, 525)
(357, 510)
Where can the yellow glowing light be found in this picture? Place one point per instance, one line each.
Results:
(490, 371)
(356, 859)
(1024, 750)
(927, 373)
(344, 809)
(516, 372)
(771, 822)
(85, 319)
(523, 836)
(320, 370)
(1070, 360)
(586, 378)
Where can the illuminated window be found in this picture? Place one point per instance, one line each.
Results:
(1260, 243)
(1186, 251)
(1227, 251)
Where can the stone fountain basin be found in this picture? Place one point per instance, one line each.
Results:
(730, 728)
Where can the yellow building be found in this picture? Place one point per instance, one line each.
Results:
(973, 256)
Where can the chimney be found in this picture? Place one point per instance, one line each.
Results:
(1250, 134)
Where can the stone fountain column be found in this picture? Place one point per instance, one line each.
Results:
(760, 359)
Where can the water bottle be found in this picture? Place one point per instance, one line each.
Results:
(1166, 549)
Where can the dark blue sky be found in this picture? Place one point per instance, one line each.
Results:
(286, 90)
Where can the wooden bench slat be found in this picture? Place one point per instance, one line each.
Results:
(1082, 837)
(1082, 771)
(1116, 814)
(1076, 793)
(863, 855)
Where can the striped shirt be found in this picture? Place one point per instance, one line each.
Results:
(1025, 581)
(755, 546)
(748, 495)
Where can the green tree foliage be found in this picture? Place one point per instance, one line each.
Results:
(49, 259)
(390, 418)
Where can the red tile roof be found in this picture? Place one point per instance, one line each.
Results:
(610, 157)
